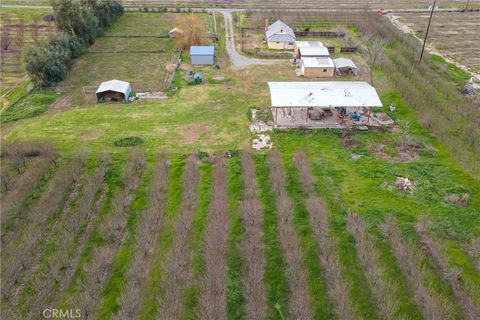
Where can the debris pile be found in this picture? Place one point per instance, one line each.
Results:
(151, 95)
(405, 184)
(258, 125)
(262, 141)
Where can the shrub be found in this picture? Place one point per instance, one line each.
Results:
(128, 142)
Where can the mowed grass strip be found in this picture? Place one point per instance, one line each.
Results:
(275, 273)
(148, 228)
(235, 262)
(177, 269)
(317, 214)
(149, 297)
(300, 304)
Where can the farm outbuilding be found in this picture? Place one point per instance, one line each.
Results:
(318, 67)
(202, 55)
(345, 66)
(313, 52)
(113, 90)
(279, 36)
(304, 44)
(322, 104)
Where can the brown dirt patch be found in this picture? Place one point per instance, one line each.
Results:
(349, 142)
(192, 132)
(60, 104)
(92, 135)
(405, 153)
(141, 115)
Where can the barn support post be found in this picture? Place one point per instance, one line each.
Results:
(276, 116)
(369, 114)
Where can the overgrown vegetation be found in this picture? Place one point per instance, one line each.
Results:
(78, 24)
(31, 105)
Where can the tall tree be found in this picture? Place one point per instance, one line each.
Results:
(373, 50)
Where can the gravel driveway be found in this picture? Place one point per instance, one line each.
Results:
(238, 61)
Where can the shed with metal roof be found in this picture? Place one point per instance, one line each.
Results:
(318, 67)
(202, 55)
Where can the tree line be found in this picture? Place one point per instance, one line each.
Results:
(78, 24)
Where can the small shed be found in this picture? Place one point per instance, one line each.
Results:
(113, 90)
(313, 52)
(202, 55)
(279, 36)
(305, 44)
(318, 67)
(345, 66)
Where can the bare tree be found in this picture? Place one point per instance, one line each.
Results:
(6, 38)
(34, 26)
(191, 31)
(19, 36)
(449, 274)
(374, 52)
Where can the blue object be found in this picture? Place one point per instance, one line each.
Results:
(190, 72)
(355, 116)
(198, 77)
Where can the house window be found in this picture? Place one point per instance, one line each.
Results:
(324, 70)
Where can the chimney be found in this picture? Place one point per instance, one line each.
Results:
(266, 24)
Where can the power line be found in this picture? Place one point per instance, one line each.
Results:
(428, 28)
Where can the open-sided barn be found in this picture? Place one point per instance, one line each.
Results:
(113, 90)
(321, 104)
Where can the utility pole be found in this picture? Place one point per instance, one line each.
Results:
(428, 29)
(468, 2)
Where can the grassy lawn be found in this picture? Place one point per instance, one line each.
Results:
(28, 106)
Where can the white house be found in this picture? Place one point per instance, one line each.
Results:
(280, 36)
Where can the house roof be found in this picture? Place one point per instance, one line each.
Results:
(307, 44)
(323, 94)
(279, 27)
(281, 37)
(344, 63)
(114, 85)
(317, 62)
(202, 50)
(314, 52)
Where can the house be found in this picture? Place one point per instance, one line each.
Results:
(175, 32)
(317, 67)
(279, 36)
(345, 66)
(305, 44)
(202, 55)
(322, 104)
(313, 52)
(113, 90)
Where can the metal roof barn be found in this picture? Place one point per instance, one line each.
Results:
(317, 62)
(202, 55)
(313, 52)
(307, 44)
(113, 90)
(323, 94)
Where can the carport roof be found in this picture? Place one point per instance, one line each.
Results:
(323, 94)
(114, 85)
